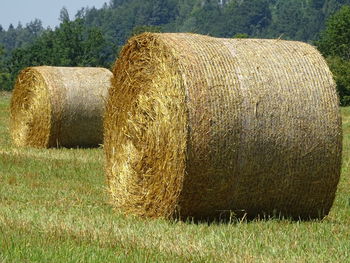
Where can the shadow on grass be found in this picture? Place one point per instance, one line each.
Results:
(230, 217)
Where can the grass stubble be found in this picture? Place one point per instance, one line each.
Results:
(54, 207)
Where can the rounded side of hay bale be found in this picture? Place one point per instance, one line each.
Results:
(204, 127)
(59, 106)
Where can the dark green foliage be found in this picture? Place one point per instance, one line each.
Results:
(19, 36)
(249, 17)
(335, 40)
(294, 19)
(334, 43)
(72, 44)
(5, 82)
(156, 12)
(317, 4)
(95, 36)
(341, 73)
(207, 17)
(12, 39)
(64, 15)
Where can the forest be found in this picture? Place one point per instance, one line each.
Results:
(93, 37)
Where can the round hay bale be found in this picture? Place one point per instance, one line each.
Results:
(203, 127)
(59, 106)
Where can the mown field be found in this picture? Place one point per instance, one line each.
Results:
(54, 208)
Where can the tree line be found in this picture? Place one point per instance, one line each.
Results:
(95, 36)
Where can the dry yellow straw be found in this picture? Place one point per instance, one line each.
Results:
(203, 127)
(59, 106)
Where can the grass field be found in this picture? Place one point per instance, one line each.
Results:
(54, 208)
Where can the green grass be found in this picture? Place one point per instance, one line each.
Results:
(54, 208)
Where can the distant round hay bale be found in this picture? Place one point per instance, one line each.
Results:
(59, 106)
(203, 127)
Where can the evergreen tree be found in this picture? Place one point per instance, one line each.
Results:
(64, 15)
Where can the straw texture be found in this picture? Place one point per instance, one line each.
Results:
(59, 106)
(205, 127)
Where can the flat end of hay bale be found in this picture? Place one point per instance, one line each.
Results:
(146, 118)
(30, 110)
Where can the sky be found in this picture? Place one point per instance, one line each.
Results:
(48, 11)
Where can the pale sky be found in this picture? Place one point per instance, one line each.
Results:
(48, 11)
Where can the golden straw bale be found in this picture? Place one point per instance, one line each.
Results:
(204, 127)
(59, 106)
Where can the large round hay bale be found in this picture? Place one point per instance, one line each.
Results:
(203, 127)
(59, 106)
